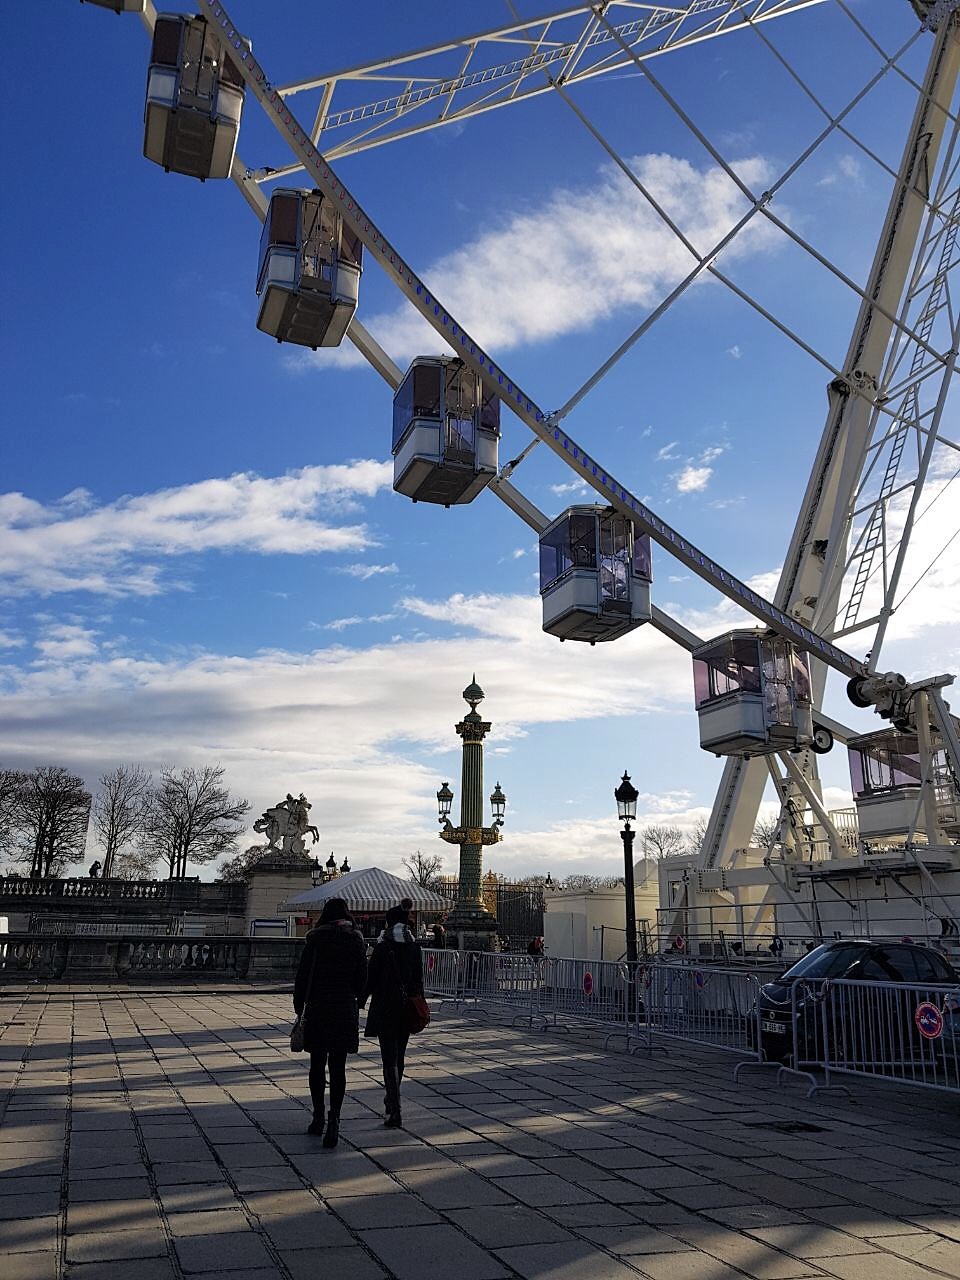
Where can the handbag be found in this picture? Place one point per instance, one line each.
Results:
(298, 1030)
(415, 1012)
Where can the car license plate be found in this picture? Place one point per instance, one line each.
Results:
(778, 1028)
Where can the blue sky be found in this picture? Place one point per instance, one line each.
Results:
(202, 558)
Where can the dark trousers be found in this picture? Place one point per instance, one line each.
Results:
(392, 1050)
(318, 1081)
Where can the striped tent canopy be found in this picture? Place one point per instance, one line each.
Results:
(370, 890)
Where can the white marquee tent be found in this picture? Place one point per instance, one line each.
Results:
(369, 890)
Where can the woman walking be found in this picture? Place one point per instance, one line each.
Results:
(330, 981)
(396, 971)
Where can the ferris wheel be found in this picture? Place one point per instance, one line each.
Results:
(759, 690)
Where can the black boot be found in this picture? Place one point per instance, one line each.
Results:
(332, 1135)
(393, 1120)
(315, 1127)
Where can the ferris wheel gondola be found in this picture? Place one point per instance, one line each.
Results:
(194, 99)
(753, 696)
(446, 432)
(308, 279)
(595, 575)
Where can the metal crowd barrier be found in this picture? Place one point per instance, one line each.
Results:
(702, 1004)
(442, 974)
(893, 1031)
(897, 1032)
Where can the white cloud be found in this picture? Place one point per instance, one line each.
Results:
(714, 452)
(341, 624)
(65, 642)
(572, 486)
(328, 721)
(734, 351)
(848, 172)
(668, 452)
(365, 571)
(534, 263)
(693, 479)
(10, 641)
(74, 545)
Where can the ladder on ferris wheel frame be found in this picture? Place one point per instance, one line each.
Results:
(815, 566)
(568, 46)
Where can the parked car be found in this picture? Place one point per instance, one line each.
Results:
(850, 1009)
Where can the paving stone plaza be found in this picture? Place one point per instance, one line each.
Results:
(155, 1134)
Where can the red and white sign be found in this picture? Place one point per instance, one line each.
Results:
(588, 983)
(431, 963)
(679, 942)
(929, 1020)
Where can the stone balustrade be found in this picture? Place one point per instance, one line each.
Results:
(86, 895)
(78, 958)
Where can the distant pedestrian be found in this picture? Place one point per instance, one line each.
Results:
(439, 936)
(535, 947)
(396, 971)
(330, 981)
(95, 869)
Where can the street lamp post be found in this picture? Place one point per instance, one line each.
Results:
(470, 921)
(626, 796)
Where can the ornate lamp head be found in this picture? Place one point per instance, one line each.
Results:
(498, 802)
(626, 796)
(444, 801)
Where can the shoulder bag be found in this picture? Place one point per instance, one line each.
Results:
(297, 1036)
(415, 1014)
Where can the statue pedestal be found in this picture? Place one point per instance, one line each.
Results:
(470, 929)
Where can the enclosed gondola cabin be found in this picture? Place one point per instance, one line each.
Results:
(886, 777)
(308, 279)
(595, 574)
(446, 432)
(194, 99)
(753, 696)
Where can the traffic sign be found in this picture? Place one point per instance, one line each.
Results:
(929, 1020)
(588, 983)
(679, 942)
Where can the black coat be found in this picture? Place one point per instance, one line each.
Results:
(392, 964)
(330, 981)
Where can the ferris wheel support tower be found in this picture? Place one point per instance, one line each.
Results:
(813, 573)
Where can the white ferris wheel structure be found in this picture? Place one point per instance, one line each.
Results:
(886, 430)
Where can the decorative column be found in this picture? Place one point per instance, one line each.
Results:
(470, 922)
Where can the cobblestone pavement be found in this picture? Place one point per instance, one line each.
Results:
(152, 1134)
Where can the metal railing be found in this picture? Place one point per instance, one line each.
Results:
(899, 1032)
(700, 1004)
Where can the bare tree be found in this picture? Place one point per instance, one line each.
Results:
(50, 819)
(580, 881)
(767, 831)
(239, 867)
(192, 818)
(135, 864)
(11, 786)
(119, 811)
(658, 841)
(696, 837)
(424, 868)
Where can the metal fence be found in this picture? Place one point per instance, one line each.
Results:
(703, 1004)
(897, 1032)
(708, 1006)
